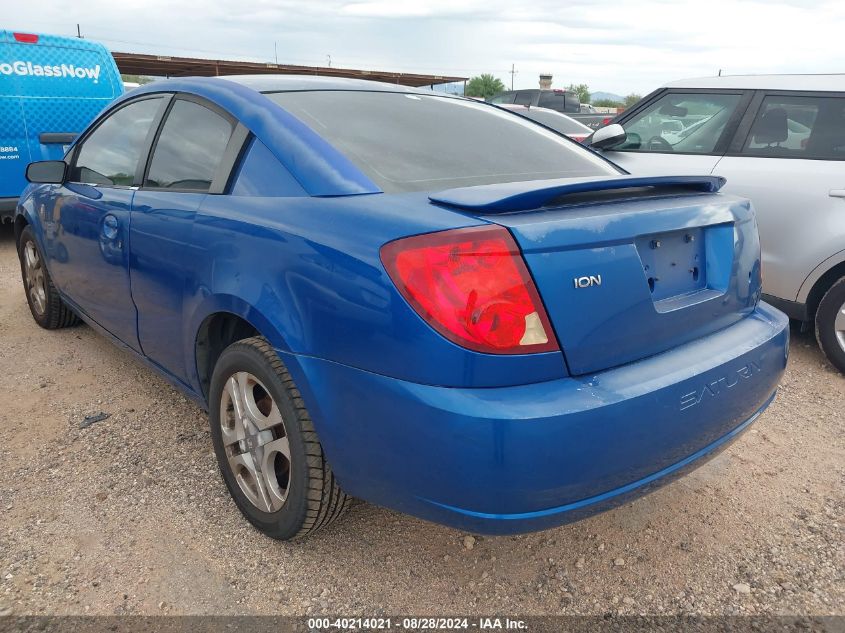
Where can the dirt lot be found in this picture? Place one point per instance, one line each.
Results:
(129, 515)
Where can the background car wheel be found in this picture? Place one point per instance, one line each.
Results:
(269, 455)
(45, 304)
(830, 324)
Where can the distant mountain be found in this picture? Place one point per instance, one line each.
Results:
(595, 96)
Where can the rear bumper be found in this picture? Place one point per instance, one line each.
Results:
(516, 459)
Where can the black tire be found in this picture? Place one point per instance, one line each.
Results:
(314, 499)
(826, 334)
(54, 313)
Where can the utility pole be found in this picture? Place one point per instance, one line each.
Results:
(78, 32)
(513, 71)
(329, 58)
(276, 53)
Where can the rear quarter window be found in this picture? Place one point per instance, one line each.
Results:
(261, 174)
(418, 142)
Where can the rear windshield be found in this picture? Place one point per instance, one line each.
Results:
(556, 121)
(412, 142)
(560, 101)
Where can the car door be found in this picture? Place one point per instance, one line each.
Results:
(788, 157)
(680, 131)
(87, 223)
(188, 161)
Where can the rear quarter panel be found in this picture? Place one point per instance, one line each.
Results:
(308, 271)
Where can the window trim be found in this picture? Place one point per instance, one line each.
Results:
(220, 180)
(725, 138)
(235, 152)
(151, 138)
(744, 130)
(73, 154)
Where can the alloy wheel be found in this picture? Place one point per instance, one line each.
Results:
(36, 283)
(839, 326)
(255, 441)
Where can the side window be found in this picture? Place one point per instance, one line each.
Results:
(503, 97)
(524, 97)
(260, 174)
(549, 99)
(798, 127)
(676, 122)
(110, 155)
(189, 148)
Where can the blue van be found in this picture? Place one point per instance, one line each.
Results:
(51, 88)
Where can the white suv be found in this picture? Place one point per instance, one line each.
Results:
(780, 141)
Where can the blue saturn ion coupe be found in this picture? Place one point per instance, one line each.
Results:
(415, 299)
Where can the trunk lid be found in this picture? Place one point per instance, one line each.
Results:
(628, 267)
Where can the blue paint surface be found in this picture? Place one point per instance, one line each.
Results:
(520, 196)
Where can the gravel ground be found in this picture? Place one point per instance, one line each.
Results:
(129, 515)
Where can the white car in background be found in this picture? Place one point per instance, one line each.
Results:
(780, 141)
(552, 118)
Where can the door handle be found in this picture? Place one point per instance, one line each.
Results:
(837, 193)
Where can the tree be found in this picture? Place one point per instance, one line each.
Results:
(631, 99)
(484, 86)
(607, 103)
(582, 90)
(137, 79)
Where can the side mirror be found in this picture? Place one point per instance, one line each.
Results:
(608, 136)
(49, 172)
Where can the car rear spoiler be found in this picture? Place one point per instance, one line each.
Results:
(533, 194)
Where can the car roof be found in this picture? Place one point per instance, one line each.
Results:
(299, 83)
(319, 167)
(821, 83)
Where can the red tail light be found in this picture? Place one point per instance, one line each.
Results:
(26, 38)
(606, 120)
(472, 286)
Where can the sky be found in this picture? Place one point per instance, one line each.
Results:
(619, 46)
